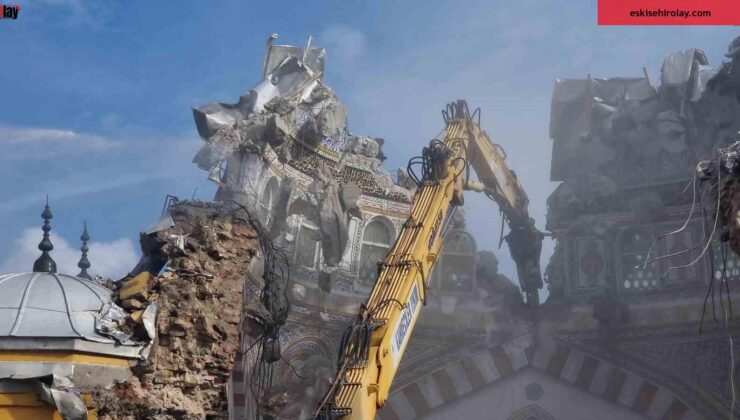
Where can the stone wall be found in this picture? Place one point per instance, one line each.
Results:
(199, 294)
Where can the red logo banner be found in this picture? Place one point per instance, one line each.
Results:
(669, 12)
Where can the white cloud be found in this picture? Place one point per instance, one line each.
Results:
(27, 142)
(109, 259)
(64, 189)
(150, 166)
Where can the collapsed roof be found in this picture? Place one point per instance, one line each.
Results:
(293, 114)
(612, 133)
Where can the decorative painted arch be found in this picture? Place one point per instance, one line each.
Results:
(598, 377)
(309, 355)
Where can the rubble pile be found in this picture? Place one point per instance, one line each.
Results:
(614, 134)
(199, 295)
(297, 117)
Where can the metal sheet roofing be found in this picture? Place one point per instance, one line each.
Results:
(50, 305)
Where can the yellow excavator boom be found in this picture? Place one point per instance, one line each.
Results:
(373, 346)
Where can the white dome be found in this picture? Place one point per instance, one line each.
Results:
(50, 305)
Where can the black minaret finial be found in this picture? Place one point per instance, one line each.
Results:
(84, 263)
(45, 264)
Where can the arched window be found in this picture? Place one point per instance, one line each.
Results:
(266, 205)
(634, 246)
(455, 270)
(304, 232)
(376, 241)
(307, 244)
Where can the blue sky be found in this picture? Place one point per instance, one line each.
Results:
(95, 97)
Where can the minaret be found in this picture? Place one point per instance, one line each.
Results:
(84, 263)
(45, 264)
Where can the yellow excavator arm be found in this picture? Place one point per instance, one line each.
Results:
(371, 349)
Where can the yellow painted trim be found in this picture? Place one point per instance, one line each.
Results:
(18, 399)
(29, 413)
(37, 413)
(62, 357)
(23, 399)
(26, 406)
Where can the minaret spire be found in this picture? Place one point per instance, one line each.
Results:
(84, 263)
(45, 264)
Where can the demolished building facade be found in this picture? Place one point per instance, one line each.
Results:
(625, 151)
(284, 151)
(252, 292)
(638, 324)
(639, 315)
(612, 335)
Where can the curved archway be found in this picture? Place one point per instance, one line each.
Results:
(309, 362)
